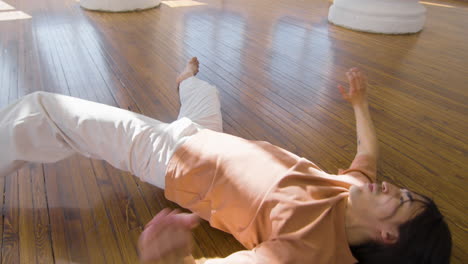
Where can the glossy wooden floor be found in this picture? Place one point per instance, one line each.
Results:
(277, 65)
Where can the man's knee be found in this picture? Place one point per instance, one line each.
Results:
(36, 97)
(39, 94)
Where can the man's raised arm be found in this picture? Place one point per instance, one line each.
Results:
(367, 145)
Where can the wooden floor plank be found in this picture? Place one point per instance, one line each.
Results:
(27, 241)
(57, 218)
(101, 229)
(33, 222)
(91, 238)
(42, 234)
(73, 226)
(116, 213)
(10, 244)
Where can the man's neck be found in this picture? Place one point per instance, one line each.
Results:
(356, 231)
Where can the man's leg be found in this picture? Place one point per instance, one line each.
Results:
(199, 99)
(45, 127)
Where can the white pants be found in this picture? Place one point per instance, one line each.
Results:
(44, 127)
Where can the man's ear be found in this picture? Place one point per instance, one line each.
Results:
(389, 236)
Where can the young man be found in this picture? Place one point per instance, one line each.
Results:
(281, 207)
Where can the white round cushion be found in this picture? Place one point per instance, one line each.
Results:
(119, 5)
(379, 16)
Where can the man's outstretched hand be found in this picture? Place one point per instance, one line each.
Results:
(167, 238)
(357, 92)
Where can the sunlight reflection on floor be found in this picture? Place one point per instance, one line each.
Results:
(182, 3)
(7, 13)
(434, 4)
(13, 15)
(5, 7)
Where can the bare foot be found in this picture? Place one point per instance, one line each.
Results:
(191, 69)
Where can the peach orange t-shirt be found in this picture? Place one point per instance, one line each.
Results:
(281, 207)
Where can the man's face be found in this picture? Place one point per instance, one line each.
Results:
(385, 204)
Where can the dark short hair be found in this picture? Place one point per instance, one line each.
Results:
(424, 239)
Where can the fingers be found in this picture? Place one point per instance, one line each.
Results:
(174, 217)
(148, 235)
(187, 220)
(169, 241)
(351, 80)
(355, 82)
(349, 76)
(169, 232)
(174, 212)
(357, 92)
(159, 216)
(343, 92)
(359, 75)
(357, 79)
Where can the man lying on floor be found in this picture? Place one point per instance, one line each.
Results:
(281, 207)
